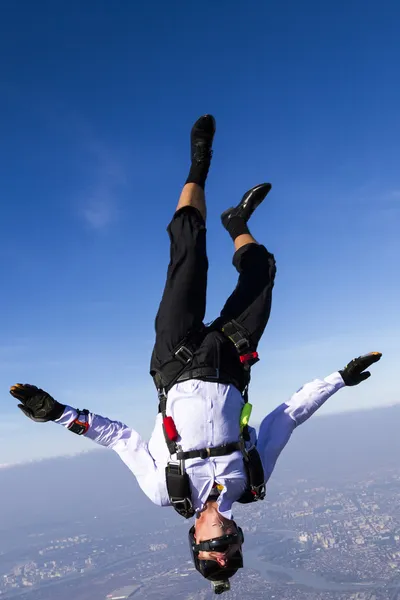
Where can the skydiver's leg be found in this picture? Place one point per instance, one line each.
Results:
(250, 302)
(183, 303)
(193, 195)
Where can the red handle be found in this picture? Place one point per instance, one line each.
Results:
(170, 429)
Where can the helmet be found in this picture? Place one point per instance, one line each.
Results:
(210, 569)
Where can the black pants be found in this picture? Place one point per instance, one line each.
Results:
(183, 305)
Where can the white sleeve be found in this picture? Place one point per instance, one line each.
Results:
(130, 447)
(278, 426)
(101, 430)
(311, 396)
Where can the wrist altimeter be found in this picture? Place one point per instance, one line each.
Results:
(80, 424)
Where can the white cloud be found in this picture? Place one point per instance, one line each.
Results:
(101, 208)
(100, 198)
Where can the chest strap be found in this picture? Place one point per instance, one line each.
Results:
(209, 452)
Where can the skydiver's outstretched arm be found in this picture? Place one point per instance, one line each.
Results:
(39, 406)
(278, 426)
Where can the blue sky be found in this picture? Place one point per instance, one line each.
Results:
(97, 100)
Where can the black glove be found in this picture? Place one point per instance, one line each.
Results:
(353, 374)
(36, 404)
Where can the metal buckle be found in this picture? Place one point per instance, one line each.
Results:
(259, 491)
(241, 344)
(184, 501)
(205, 453)
(176, 463)
(184, 354)
(182, 504)
(161, 393)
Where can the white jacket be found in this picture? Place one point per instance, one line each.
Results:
(206, 414)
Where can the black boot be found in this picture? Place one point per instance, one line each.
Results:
(235, 219)
(201, 139)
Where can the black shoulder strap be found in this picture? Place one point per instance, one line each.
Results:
(237, 334)
(240, 338)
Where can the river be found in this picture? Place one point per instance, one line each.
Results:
(274, 574)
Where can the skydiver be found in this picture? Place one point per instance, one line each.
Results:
(203, 456)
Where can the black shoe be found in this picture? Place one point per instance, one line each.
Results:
(201, 139)
(248, 204)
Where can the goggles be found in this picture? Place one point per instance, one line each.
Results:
(219, 544)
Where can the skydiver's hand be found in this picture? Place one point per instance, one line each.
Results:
(354, 373)
(36, 404)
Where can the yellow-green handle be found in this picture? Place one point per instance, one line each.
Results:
(245, 414)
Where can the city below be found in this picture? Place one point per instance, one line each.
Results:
(306, 541)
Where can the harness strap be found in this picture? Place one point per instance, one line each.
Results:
(184, 353)
(178, 486)
(162, 402)
(237, 334)
(210, 452)
(168, 425)
(208, 374)
(255, 477)
(178, 483)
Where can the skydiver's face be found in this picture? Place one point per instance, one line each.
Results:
(212, 525)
